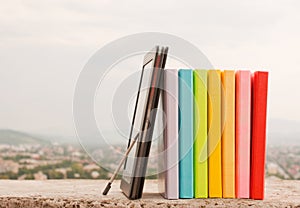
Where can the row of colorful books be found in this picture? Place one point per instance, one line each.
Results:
(215, 134)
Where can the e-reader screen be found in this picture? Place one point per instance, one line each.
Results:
(142, 95)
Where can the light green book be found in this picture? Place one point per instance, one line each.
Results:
(200, 134)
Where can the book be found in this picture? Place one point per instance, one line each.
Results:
(168, 154)
(200, 134)
(214, 134)
(228, 133)
(186, 139)
(242, 133)
(258, 142)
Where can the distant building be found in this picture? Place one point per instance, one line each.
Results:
(63, 171)
(8, 166)
(22, 177)
(95, 174)
(40, 176)
(91, 167)
(77, 175)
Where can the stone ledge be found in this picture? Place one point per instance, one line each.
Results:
(87, 193)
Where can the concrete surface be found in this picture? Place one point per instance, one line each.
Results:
(87, 193)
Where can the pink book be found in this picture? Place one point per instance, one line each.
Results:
(243, 133)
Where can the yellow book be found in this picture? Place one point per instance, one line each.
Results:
(228, 134)
(214, 134)
(200, 134)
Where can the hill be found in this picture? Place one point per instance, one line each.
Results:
(8, 136)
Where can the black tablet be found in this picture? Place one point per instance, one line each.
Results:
(143, 121)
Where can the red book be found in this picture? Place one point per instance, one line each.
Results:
(258, 141)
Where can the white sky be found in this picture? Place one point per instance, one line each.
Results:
(44, 44)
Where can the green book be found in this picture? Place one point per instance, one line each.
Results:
(200, 134)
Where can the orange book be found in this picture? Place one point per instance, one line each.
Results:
(228, 134)
(214, 134)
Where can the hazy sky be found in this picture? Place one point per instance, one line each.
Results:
(44, 44)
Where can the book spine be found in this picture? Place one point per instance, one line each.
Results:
(171, 133)
(186, 184)
(200, 134)
(214, 134)
(258, 143)
(243, 131)
(228, 133)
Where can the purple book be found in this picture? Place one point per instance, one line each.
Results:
(168, 147)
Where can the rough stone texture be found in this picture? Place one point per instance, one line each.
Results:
(87, 193)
